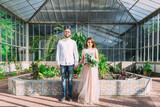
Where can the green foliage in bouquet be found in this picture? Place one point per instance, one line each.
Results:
(90, 62)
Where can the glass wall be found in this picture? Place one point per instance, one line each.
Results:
(124, 49)
(43, 30)
(117, 44)
(12, 37)
(148, 40)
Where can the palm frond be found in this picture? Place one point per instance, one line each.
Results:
(50, 44)
(59, 27)
(35, 43)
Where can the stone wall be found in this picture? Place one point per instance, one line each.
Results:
(138, 87)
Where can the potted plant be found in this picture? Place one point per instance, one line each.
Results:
(147, 69)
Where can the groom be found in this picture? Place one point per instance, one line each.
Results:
(67, 59)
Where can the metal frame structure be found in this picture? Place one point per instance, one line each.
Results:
(82, 3)
(9, 42)
(148, 50)
(130, 19)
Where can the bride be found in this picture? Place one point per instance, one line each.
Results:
(89, 82)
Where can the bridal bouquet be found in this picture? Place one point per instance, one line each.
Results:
(89, 60)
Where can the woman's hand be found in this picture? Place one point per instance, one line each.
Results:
(58, 66)
(75, 67)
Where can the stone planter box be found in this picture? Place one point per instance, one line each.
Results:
(138, 87)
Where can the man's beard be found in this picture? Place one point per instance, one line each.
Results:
(67, 36)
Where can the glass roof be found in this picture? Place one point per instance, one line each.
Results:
(22, 8)
(141, 8)
(107, 19)
(82, 11)
(107, 35)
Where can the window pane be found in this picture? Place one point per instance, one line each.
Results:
(155, 53)
(18, 54)
(3, 34)
(9, 52)
(21, 40)
(146, 54)
(24, 55)
(3, 18)
(36, 55)
(18, 37)
(150, 54)
(3, 51)
(13, 38)
(8, 36)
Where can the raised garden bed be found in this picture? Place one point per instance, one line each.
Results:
(20, 86)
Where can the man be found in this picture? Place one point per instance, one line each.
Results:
(67, 59)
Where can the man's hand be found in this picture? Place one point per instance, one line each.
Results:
(58, 67)
(75, 67)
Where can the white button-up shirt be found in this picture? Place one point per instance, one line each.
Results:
(67, 53)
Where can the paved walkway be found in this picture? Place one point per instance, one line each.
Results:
(7, 99)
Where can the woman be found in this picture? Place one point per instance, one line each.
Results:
(89, 82)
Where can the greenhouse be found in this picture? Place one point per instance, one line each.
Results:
(126, 34)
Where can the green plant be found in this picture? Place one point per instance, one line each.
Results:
(122, 74)
(6, 25)
(42, 68)
(18, 65)
(2, 73)
(150, 27)
(46, 71)
(30, 69)
(118, 66)
(35, 70)
(26, 70)
(103, 67)
(40, 75)
(147, 69)
(80, 39)
(50, 45)
(56, 72)
(13, 73)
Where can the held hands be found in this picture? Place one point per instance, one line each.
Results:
(75, 67)
(58, 67)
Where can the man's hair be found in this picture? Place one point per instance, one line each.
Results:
(67, 28)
